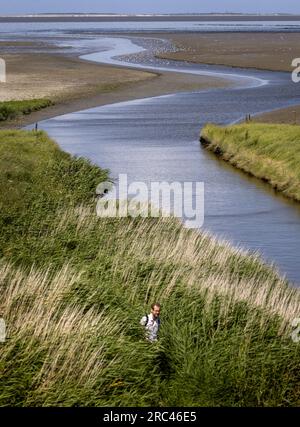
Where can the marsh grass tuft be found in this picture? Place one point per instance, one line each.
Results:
(10, 110)
(270, 152)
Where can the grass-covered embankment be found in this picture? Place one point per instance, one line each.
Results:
(270, 152)
(74, 287)
(10, 110)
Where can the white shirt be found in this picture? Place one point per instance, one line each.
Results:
(151, 327)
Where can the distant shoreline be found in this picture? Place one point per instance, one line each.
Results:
(145, 17)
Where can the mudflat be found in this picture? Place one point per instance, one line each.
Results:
(266, 51)
(290, 115)
(75, 84)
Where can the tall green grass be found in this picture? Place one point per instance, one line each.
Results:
(268, 151)
(74, 287)
(11, 109)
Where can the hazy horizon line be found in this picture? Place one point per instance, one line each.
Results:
(150, 14)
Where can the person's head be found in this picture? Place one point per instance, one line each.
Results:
(155, 310)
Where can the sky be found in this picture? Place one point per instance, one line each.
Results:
(148, 6)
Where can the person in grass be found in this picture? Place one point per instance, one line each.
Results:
(151, 322)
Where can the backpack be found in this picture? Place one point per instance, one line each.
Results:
(147, 317)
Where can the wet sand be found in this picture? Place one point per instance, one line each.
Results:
(266, 51)
(290, 115)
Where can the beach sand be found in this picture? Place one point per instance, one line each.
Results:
(59, 78)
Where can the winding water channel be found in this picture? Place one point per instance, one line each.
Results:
(157, 139)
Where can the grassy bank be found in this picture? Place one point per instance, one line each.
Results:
(270, 152)
(74, 287)
(10, 110)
